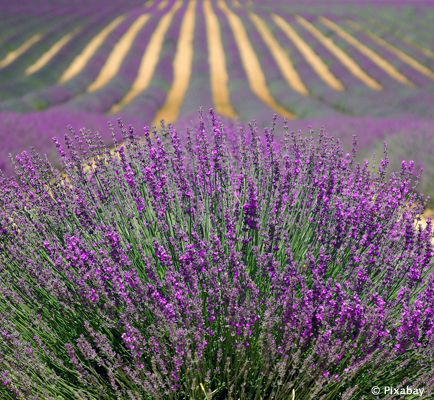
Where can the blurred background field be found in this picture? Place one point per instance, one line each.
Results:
(354, 67)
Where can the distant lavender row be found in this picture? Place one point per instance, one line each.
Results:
(246, 104)
(408, 71)
(395, 36)
(63, 92)
(148, 102)
(302, 105)
(13, 74)
(29, 26)
(348, 101)
(361, 100)
(199, 90)
(351, 82)
(414, 21)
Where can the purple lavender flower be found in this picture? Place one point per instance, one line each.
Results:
(212, 261)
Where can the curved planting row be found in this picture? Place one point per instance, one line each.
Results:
(99, 99)
(246, 103)
(199, 90)
(65, 91)
(378, 67)
(301, 104)
(77, 84)
(349, 71)
(409, 67)
(48, 75)
(13, 77)
(414, 27)
(18, 41)
(18, 26)
(360, 100)
(395, 37)
(182, 64)
(319, 88)
(151, 99)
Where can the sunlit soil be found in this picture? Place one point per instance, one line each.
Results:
(251, 63)
(283, 61)
(150, 59)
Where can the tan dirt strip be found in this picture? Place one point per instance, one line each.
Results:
(119, 52)
(343, 57)
(149, 3)
(402, 55)
(423, 49)
(162, 4)
(250, 62)
(49, 54)
(217, 63)
(82, 59)
(376, 58)
(13, 55)
(283, 61)
(424, 217)
(319, 66)
(150, 59)
(182, 63)
(236, 4)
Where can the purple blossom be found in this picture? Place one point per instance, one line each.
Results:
(186, 260)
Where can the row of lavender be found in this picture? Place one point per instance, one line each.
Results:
(355, 100)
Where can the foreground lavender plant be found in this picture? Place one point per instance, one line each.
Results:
(226, 267)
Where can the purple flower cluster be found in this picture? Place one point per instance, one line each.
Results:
(214, 264)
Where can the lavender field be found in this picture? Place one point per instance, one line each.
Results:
(261, 243)
(246, 59)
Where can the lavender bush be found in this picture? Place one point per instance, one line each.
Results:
(212, 265)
